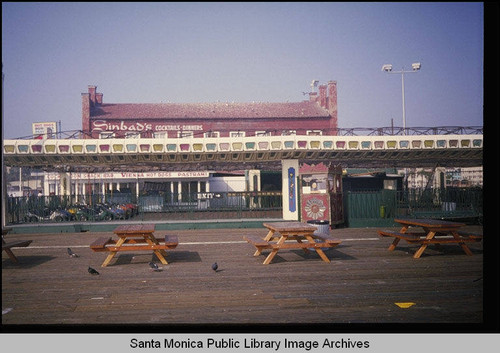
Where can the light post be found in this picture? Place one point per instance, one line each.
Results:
(415, 67)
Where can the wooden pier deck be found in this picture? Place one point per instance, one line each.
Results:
(364, 283)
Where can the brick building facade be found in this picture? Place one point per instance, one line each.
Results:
(318, 115)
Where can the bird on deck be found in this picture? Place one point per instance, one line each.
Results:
(154, 266)
(71, 253)
(92, 271)
(215, 266)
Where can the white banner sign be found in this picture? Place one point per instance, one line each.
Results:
(130, 175)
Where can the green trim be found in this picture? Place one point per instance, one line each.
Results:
(109, 227)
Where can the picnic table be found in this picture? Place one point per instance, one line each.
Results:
(302, 233)
(7, 246)
(434, 232)
(135, 237)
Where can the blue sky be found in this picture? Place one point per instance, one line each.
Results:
(244, 52)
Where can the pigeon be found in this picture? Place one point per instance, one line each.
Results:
(215, 266)
(154, 266)
(92, 271)
(71, 253)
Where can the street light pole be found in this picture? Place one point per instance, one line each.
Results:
(415, 67)
(403, 95)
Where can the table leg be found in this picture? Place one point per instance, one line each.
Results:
(113, 253)
(11, 255)
(394, 244)
(464, 246)
(422, 248)
(161, 257)
(306, 250)
(273, 252)
(268, 237)
(160, 253)
(319, 251)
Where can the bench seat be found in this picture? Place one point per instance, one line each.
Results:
(16, 244)
(100, 244)
(328, 239)
(171, 241)
(411, 238)
(471, 236)
(136, 247)
(415, 238)
(257, 241)
(107, 244)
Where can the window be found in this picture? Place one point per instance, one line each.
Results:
(211, 134)
(288, 132)
(184, 134)
(189, 191)
(314, 132)
(132, 135)
(106, 135)
(159, 135)
(237, 134)
(262, 133)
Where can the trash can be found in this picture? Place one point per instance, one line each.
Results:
(449, 206)
(323, 228)
(382, 211)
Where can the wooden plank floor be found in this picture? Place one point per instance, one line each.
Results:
(360, 285)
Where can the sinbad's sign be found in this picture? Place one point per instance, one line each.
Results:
(104, 125)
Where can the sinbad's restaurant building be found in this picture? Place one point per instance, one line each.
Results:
(315, 116)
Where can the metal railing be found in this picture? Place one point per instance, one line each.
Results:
(380, 207)
(152, 206)
(375, 207)
(354, 131)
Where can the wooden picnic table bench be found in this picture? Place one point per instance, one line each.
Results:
(435, 232)
(302, 233)
(135, 238)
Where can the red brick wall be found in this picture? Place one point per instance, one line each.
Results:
(85, 112)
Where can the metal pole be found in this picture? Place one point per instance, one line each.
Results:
(404, 118)
(403, 94)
